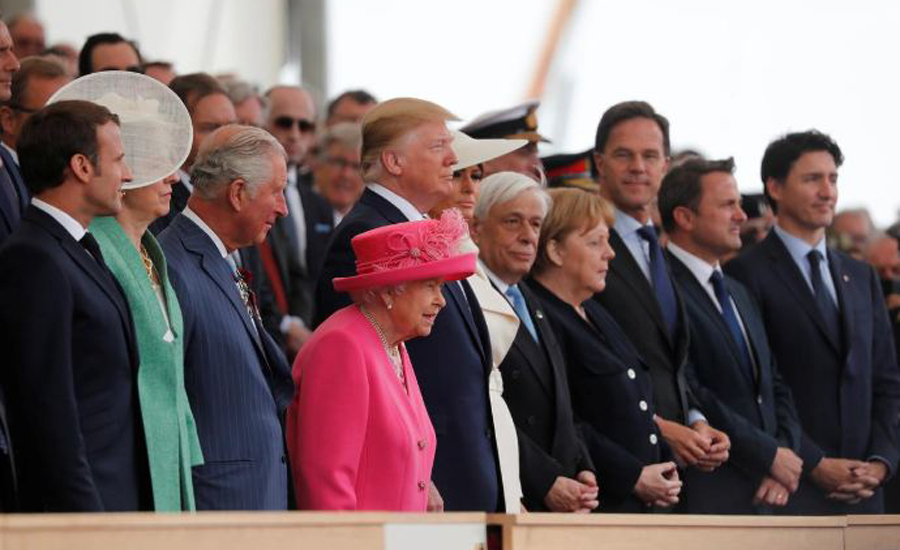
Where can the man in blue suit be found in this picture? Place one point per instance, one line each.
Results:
(829, 332)
(408, 159)
(237, 379)
(731, 371)
(70, 357)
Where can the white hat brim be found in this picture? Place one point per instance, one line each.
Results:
(471, 151)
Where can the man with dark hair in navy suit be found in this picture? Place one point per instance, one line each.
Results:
(407, 158)
(731, 371)
(829, 332)
(70, 360)
(237, 379)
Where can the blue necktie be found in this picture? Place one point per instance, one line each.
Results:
(659, 277)
(518, 304)
(826, 305)
(731, 319)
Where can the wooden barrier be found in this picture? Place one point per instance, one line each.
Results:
(872, 533)
(382, 531)
(243, 531)
(671, 532)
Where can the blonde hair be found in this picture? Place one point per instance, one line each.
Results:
(389, 121)
(572, 210)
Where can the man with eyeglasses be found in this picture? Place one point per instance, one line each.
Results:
(336, 174)
(210, 108)
(295, 248)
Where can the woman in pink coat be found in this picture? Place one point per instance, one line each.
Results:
(358, 432)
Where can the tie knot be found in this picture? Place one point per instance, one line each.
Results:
(513, 292)
(814, 257)
(648, 233)
(716, 278)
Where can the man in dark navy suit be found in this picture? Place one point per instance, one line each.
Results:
(237, 379)
(632, 154)
(731, 371)
(555, 468)
(408, 159)
(829, 332)
(70, 354)
(297, 242)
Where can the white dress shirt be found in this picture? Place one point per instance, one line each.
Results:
(69, 223)
(405, 207)
(295, 207)
(220, 246)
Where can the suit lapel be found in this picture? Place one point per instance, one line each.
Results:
(454, 290)
(695, 291)
(217, 269)
(384, 207)
(15, 174)
(104, 279)
(845, 300)
(783, 264)
(626, 268)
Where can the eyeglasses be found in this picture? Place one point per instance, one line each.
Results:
(286, 123)
(341, 163)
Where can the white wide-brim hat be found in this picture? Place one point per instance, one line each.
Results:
(155, 125)
(471, 151)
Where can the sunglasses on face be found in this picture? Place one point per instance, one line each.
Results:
(286, 123)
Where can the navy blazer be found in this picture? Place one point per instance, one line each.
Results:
(71, 376)
(629, 298)
(369, 212)
(237, 379)
(612, 396)
(299, 279)
(7, 225)
(536, 390)
(757, 412)
(847, 396)
(452, 366)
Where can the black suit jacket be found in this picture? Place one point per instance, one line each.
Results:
(178, 203)
(537, 392)
(71, 374)
(7, 225)
(452, 366)
(757, 412)
(629, 298)
(370, 212)
(847, 396)
(612, 396)
(299, 278)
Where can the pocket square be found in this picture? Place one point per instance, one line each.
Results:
(322, 228)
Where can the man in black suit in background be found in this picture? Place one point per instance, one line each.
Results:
(732, 372)
(632, 154)
(210, 108)
(71, 361)
(295, 248)
(828, 328)
(554, 465)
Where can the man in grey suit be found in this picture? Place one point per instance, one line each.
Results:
(237, 379)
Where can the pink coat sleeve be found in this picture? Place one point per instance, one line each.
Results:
(327, 422)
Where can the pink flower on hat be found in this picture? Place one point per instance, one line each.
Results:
(430, 242)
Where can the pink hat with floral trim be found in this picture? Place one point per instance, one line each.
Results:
(411, 251)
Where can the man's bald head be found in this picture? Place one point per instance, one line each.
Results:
(291, 118)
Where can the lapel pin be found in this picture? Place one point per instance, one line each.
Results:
(846, 278)
(539, 314)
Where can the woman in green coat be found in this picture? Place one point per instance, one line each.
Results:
(136, 260)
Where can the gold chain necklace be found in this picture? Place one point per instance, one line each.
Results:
(393, 352)
(148, 267)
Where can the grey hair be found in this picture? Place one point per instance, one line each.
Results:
(503, 187)
(370, 296)
(347, 134)
(245, 155)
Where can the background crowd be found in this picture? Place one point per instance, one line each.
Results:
(635, 336)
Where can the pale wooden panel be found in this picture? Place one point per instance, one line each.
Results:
(872, 533)
(623, 532)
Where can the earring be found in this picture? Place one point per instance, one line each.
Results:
(390, 305)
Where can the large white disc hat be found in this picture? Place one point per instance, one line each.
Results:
(470, 151)
(156, 127)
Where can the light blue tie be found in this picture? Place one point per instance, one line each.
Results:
(518, 304)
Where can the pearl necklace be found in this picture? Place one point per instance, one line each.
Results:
(393, 352)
